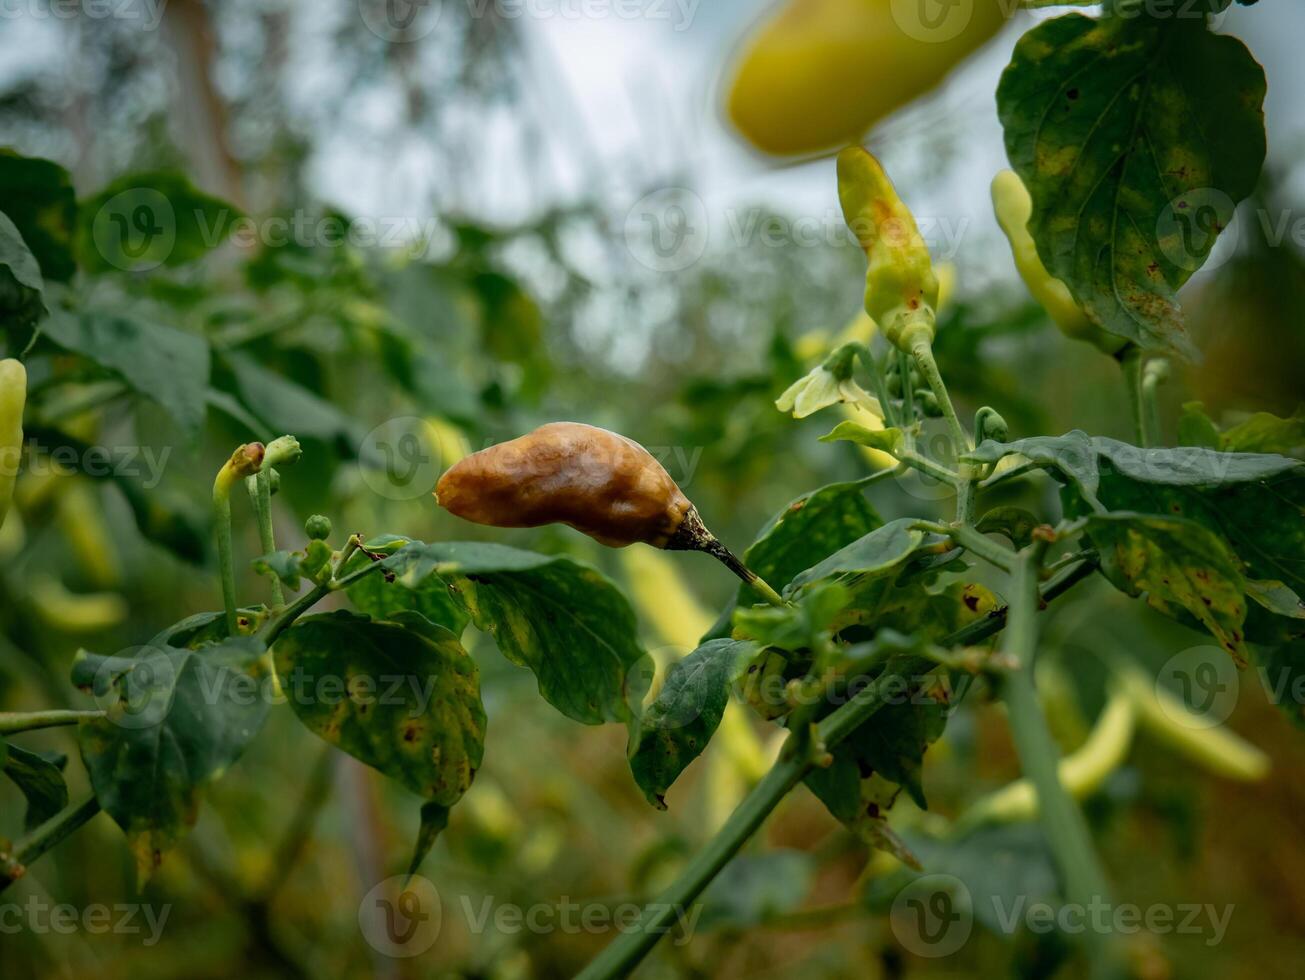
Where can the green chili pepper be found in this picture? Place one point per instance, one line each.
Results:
(13, 396)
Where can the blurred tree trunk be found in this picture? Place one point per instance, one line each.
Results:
(199, 113)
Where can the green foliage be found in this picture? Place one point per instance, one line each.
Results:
(881, 552)
(681, 720)
(402, 696)
(144, 220)
(808, 529)
(40, 778)
(565, 621)
(175, 719)
(39, 201)
(21, 286)
(163, 364)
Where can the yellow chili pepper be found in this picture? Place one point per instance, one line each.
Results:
(822, 72)
(1014, 207)
(13, 397)
(901, 288)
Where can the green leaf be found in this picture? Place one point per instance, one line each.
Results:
(685, 714)
(1000, 867)
(418, 590)
(880, 552)
(401, 696)
(41, 781)
(565, 621)
(1136, 137)
(1196, 429)
(144, 220)
(1072, 454)
(754, 888)
(284, 406)
(285, 565)
(888, 440)
(175, 720)
(1266, 433)
(808, 529)
(21, 288)
(434, 820)
(166, 365)
(1176, 562)
(39, 200)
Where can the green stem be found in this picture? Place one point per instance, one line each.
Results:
(27, 721)
(1062, 822)
(622, 955)
(275, 626)
(926, 465)
(908, 389)
(974, 541)
(226, 566)
(260, 494)
(30, 847)
(1130, 361)
(1154, 374)
(243, 462)
(881, 389)
(922, 353)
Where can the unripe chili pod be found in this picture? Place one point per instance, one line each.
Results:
(13, 398)
(901, 289)
(1014, 207)
(600, 483)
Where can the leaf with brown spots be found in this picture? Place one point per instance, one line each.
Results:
(402, 696)
(1136, 137)
(1178, 564)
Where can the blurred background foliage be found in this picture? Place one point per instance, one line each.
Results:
(529, 303)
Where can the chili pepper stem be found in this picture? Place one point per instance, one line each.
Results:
(243, 462)
(226, 568)
(27, 721)
(260, 495)
(922, 354)
(692, 535)
(1130, 362)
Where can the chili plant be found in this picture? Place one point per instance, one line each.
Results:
(838, 612)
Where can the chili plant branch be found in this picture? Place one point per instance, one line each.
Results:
(1130, 362)
(26, 721)
(621, 956)
(1063, 823)
(55, 830)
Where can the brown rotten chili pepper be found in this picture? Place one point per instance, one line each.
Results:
(600, 483)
